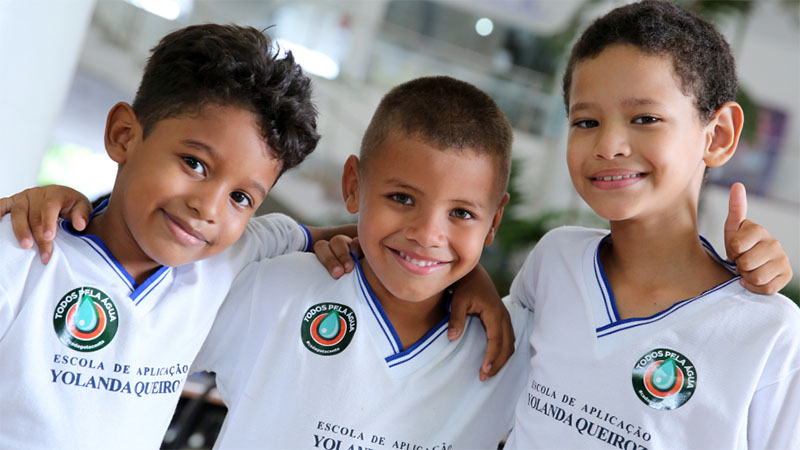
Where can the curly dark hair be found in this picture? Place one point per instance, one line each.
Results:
(447, 113)
(701, 57)
(230, 65)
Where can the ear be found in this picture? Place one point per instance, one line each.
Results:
(122, 128)
(496, 220)
(722, 134)
(350, 183)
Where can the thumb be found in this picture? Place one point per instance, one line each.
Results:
(458, 317)
(737, 213)
(80, 215)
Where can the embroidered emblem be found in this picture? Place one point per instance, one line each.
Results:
(664, 379)
(85, 319)
(328, 328)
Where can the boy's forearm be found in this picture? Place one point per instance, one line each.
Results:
(326, 233)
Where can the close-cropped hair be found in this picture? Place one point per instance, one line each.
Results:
(446, 113)
(230, 65)
(700, 55)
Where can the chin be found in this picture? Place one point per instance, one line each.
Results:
(415, 296)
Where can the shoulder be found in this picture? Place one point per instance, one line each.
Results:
(276, 226)
(10, 248)
(571, 236)
(776, 306)
(772, 317)
(773, 324)
(293, 270)
(520, 319)
(567, 243)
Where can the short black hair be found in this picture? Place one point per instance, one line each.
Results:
(230, 65)
(701, 56)
(446, 113)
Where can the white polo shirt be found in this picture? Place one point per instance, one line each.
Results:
(718, 371)
(91, 360)
(305, 361)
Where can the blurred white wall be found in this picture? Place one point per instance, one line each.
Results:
(40, 41)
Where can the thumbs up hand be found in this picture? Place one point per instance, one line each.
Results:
(759, 257)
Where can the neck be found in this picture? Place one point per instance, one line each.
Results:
(411, 320)
(110, 227)
(653, 265)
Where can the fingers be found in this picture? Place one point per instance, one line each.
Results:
(5, 205)
(765, 268)
(771, 287)
(499, 342)
(340, 246)
(760, 259)
(19, 220)
(43, 216)
(737, 213)
(37, 220)
(745, 238)
(335, 255)
(80, 215)
(458, 317)
(494, 347)
(355, 247)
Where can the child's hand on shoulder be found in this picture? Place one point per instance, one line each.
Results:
(335, 254)
(477, 294)
(759, 257)
(35, 213)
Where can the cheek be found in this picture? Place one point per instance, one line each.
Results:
(232, 231)
(573, 159)
(471, 243)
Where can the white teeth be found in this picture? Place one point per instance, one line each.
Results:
(617, 177)
(417, 262)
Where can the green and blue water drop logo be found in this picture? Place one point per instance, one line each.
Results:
(664, 379)
(85, 319)
(328, 328)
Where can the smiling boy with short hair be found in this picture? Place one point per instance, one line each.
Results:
(665, 349)
(305, 361)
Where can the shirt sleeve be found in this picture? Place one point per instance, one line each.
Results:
(234, 328)
(774, 412)
(278, 234)
(265, 237)
(15, 269)
(522, 288)
(6, 313)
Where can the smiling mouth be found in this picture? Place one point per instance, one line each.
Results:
(182, 232)
(417, 262)
(617, 177)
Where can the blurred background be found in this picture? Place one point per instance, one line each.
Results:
(66, 63)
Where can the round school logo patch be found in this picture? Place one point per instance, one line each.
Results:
(328, 328)
(664, 379)
(85, 319)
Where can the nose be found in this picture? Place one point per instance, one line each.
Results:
(612, 142)
(427, 229)
(206, 201)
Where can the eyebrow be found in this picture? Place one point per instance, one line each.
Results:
(625, 102)
(201, 146)
(216, 155)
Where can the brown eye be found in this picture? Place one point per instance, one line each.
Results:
(194, 165)
(644, 120)
(461, 214)
(401, 198)
(241, 199)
